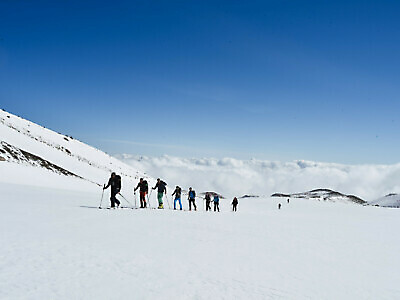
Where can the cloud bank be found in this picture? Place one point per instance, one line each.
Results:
(233, 177)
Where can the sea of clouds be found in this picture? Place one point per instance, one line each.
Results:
(234, 177)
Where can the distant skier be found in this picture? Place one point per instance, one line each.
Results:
(208, 200)
(288, 200)
(162, 189)
(234, 204)
(192, 199)
(177, 193)
(115, 183)
(143, 190)
(279, 206)
(216, 202)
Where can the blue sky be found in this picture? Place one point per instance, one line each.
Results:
(278, 80)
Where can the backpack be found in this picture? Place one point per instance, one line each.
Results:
(118, 182)
(192, 194)
(145, 185)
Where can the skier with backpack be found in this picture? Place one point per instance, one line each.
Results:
(143, 190)
(115, 183)
(177, 193)
(234, 204)
(192, 199)
(208, 200)
(162, 189)
(216, 202)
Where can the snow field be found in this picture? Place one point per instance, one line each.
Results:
(56, 244)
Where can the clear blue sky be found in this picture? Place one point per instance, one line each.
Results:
(279, 80)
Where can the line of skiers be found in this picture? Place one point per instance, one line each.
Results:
(115, 183)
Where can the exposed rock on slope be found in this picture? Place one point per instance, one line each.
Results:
(13, 154)
(323, 194)
(390, 200)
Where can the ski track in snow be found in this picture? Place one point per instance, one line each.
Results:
(57, 245)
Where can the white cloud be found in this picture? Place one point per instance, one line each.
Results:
(238, 177)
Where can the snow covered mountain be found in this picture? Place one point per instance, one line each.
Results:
(325, 195)
(57, 244)
(35, 155)
(390, 200)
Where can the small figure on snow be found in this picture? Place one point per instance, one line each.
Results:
(115, 183)
(279, 206)
(162, 189)
(143, 190)
(288, 200)
(177, 193)
(216, 202)
(234, 204)
(192, 199)
(208, 200)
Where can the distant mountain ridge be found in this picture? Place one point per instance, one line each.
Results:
(323, 194)
(390, 200)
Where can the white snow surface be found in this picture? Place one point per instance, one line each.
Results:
(57, 244)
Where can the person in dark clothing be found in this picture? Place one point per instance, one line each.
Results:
(177, 193)
(216, 202)
(143, 190)
(115, 183)
(235, 203)
(162, 189)
(288, 200)
(192, 199)
(279, 206)
(208, 200)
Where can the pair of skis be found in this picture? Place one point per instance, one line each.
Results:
(131, 206)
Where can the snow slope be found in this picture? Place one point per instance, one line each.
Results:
(61, 151)
(56, 244)
(390, 200)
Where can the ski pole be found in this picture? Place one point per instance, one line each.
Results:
(135, 199)
(148, 198)
(125, 199)
(198, 197)
(169, 206)
(101, 201)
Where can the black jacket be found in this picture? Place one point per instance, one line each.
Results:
(161, 186)
(115, 184)
(144, 187)
(177, 193)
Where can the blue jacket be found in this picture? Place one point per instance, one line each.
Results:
(216, 199)
(192, 194)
